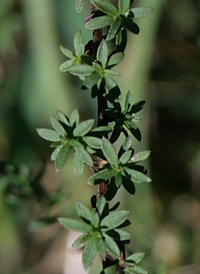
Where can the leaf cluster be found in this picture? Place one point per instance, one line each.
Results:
(68, 134)
(101, 232)
(93, 63)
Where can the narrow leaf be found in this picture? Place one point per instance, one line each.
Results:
(128, 101)
(57, 126)
(62, 118)
(67, 52)
(81, 240)
(78, 164)
(125, 157)
(114, 28)
(119, 234)
(114, 220)
(140, 156)
(112, 247)
(82, 70)
(101, 204)
(102, 53)
(118, 179)
(84, 155)
(123, 6)
(66, 65)
(106, 6)
(141, 11)
(49, 134)
(74, 117)
(137, 176)
(75, 225)
(110, 73)
(62, 156)
(135, 258)
(109, 152)
(111, 269)
(89, 253)
(77, 39)
(55, 153)
(99, 22)
(128, 184)
(101, 176)
(93, 142)
(101, 246)
(135, 270)
(115, 59)
(83, 211)
(83, 128)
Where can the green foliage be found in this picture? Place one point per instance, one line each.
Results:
(101, 228)
(69, 134)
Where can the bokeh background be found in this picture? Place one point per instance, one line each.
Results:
(162, 66)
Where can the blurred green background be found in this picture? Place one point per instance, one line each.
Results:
(162, 66)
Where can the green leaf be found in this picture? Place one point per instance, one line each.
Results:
(140, 12)
(111, 245)
(89, 253)
(128, 101)
(84, 155)
(140, 156)
(125, 157)
(135, 258)
(137, 176)
(78, 164)
(128, 184)
(123, 6)
(135, 270)
(57, 126)
(100, 131)
(100, 176)
(132, 27)
(114, 220)
(82, 70)
(101, 202)
(62, 156)
(92, 142)
(55, 153)
(110, 82)
(109, 152)
(67, 52)
(77, 40)
(62, 118)
(110, 73)
(74, 117)
(83, 211)
(83, 128)
(66, 65)
(118, 179)
(81, 240)
(111, 269)
(75, 225)
(137, 107)
(79, 5)
(49, 134)
(99, 22)
(92, 79)
(102, 53)
(106, 6)
(134, 129)
(80, 50)
(115, 59)
(114, 28)
(101, 246)
(119, 234)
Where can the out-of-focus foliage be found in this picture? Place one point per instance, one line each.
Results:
(174, 118)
